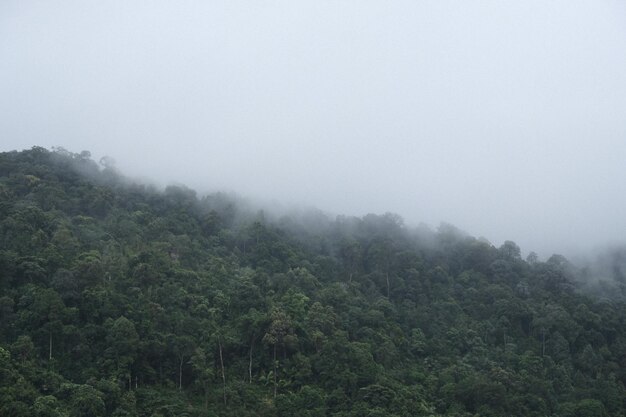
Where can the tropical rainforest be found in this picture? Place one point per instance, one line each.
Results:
(118, 298)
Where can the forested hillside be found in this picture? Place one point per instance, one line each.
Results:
(120, 299)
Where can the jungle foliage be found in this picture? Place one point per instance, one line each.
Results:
(120, 299)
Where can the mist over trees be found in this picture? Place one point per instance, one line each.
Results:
(117, 298)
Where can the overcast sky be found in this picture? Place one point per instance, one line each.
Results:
(505, 118)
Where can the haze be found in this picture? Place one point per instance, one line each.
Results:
(507, 118)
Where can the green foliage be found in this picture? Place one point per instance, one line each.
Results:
(117, 299)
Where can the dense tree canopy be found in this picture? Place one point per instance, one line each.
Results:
(119, 299)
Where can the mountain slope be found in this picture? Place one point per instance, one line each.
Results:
(119, 299)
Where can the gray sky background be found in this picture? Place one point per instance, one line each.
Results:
(505, 118)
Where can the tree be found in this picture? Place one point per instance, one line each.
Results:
(203, 370)
(280, 327)
(47, 406)
(86, 401)
(46, 312)
(123, 342)
(510, 250)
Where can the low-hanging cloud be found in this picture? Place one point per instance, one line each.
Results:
(503, 118)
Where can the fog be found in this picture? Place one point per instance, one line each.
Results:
(506, 119)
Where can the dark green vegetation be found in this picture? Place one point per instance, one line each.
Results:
(116, 299)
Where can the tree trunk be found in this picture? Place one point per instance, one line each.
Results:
(206, 396)
(50, 346)
(180, 372)
(219, 342)
(250, 360)
(275, 371)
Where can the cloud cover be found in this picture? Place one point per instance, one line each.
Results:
(505, 118)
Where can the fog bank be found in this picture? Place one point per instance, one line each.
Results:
(503, 118)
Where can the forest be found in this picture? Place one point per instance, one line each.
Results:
(118, 298)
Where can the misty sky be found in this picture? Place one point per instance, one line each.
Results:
(505, 118)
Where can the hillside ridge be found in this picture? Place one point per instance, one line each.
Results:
(120, 299)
